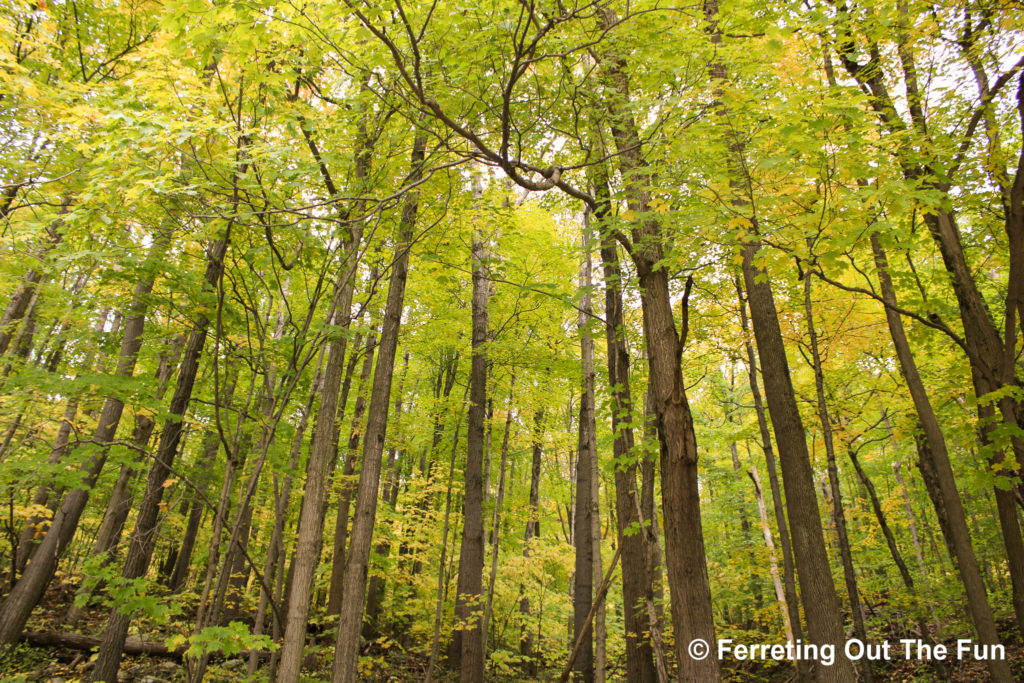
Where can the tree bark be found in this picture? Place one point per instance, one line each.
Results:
(637, 523)
(347, 486)
(140, 550)
(309, 532)
(583, 578)
(769, 542)
(532, 531)
(838, 512)
(179, 576)
(496, 518)
(435, 642)
(468, 599)
(19, 603)
(690, 589)
(815, 574)
(354, 591)
(25, 294)
(935, 463)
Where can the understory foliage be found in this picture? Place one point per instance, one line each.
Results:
(302, 237)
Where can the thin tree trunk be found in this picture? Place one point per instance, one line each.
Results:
(496, 518)
(375, 590)
(911, 517)
(354, 591)
(640, 551)
(469, 594)
(19, 603)
(140, 551)
(838, 513)
(773, 565)
(309, 532)
(26, 291)
(109, 534)
(347, 485)
(583, 578)
(435, 641)
(935, 463)
(532, 531)
(601, 593)
(275, 561)
(897, 557)
(179, 576)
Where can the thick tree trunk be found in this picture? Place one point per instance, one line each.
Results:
(991, 357)
(821, 605)
(354, 591)
(690, 589)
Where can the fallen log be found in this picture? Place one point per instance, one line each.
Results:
(76, 641)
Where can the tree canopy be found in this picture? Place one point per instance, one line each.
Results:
(511, 340)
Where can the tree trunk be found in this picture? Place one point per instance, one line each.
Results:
(16, 608)
(435, 642)
(935, 462)
(838, 513)
(897, 557)
(496, 519)
(690, 589)
(26, 291)
(140, 551)
(179, 576)
(769, 542)
(354, 592)
(347, 486)
(815, 574)
(374, 593)
(532, 531)
(991, 358)
(583, 578)
(471, 557)
(640, 554)
(109, 534)
(275, 561)
(911, 517)
(324, 447)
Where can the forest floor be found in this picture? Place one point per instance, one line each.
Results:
(56, 664)
(64, 665)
